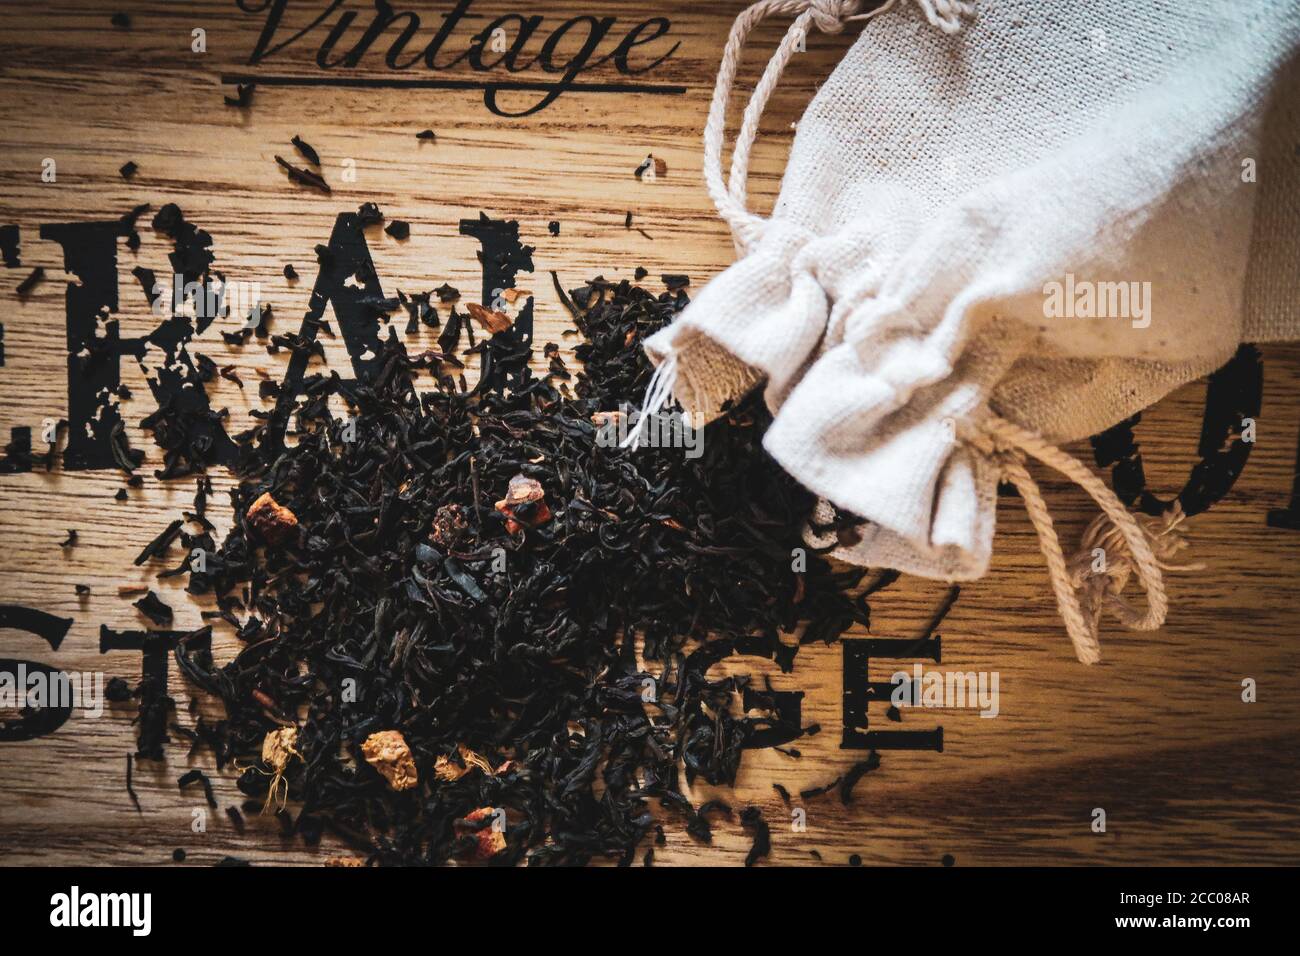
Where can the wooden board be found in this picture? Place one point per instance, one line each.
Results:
(1158, 735)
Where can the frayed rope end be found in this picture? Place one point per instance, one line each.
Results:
(657, 394)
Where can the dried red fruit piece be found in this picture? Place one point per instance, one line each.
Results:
(494, 322)
(272, 520)
(524, 504)
(490, 840)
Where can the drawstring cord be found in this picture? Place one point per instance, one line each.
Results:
(731, 196)
(829, 16)
(657, 394)
(1126, 546)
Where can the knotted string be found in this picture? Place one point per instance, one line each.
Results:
(731, 196)
(1100, 588)
(829, 16)
(1127, 547)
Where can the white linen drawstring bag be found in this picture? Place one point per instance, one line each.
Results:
(1000, 229)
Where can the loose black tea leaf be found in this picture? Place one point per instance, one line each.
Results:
(152, 607)
(260, 318)
(304, 177)
(198, 776)
(128, 169)
(9, 246)
(290, 272)
(751, 818)
(243, 95)
(159, 545)
(812, 792)
(426, 134)
(856, 773)
(306, 150)
(71, 540)
(398, 229)
(121, 21)
(130, 790)
(31, 281)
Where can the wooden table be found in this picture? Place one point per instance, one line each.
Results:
(1158, 735)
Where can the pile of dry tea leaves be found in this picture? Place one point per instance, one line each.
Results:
(438, 592)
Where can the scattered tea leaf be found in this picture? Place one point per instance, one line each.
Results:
(305, 149)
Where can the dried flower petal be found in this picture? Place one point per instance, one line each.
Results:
(278, 746)
(388, 753)
(449, 770)
(449, 525)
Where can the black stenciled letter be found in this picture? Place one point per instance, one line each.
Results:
(94, 370)
(502, 256)
(1233, 394)
(155, 705)
(860, 691)
(52, 630)
(355, 307)
(90, 253)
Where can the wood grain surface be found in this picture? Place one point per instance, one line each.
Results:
(1157, 735)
